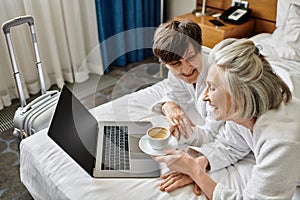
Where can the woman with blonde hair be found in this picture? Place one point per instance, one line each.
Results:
(242, 88)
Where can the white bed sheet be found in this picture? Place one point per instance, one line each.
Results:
(49, 173)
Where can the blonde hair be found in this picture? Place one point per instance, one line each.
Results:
(253, 86)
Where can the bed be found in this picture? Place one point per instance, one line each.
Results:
(49, 173)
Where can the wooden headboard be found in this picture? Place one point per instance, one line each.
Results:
(263, 11)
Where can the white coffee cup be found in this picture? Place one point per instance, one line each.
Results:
(158, 137)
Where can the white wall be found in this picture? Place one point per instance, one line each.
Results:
(179, 7)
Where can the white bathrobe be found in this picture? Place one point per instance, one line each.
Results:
(276, 146)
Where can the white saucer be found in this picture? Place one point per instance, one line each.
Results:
(146, 148)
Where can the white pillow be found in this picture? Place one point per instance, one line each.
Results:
(282, 11)
(287, 35)
(281, 17)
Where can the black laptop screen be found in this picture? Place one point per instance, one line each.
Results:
(74, 129)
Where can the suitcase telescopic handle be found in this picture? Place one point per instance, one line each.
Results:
(6, 26)
(16, 22)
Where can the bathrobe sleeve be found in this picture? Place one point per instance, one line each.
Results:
(229, 146)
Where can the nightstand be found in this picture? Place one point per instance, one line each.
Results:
(211, 34)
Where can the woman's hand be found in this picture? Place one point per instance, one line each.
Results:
(177, 160)
(195, 168)
(180, 161)
(174, 180)
(178, 118)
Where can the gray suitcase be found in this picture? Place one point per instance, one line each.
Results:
(35, 116)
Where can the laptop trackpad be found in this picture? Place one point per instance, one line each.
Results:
(135, 151)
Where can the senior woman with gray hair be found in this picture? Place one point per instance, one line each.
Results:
(242, 88)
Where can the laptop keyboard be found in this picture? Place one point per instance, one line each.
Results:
(116, 152)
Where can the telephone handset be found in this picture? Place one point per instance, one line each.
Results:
(236, 15)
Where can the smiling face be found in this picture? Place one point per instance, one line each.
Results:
(216, 94)
(188, 67)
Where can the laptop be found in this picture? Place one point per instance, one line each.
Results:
(102, 149)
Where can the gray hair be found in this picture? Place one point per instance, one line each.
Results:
(253, 86)
(171, 40)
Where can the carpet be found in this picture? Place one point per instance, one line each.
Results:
(10, 184)
(6, 117)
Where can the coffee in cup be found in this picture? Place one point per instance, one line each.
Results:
(158, 137)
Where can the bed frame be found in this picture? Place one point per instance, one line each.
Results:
(263, 11)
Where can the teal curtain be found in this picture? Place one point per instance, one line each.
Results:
(126, 29)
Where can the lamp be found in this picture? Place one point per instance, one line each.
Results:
(162, 11)
(161, 67)
(203, 7)
(203, 11)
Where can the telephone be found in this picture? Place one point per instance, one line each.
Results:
(236, 15)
